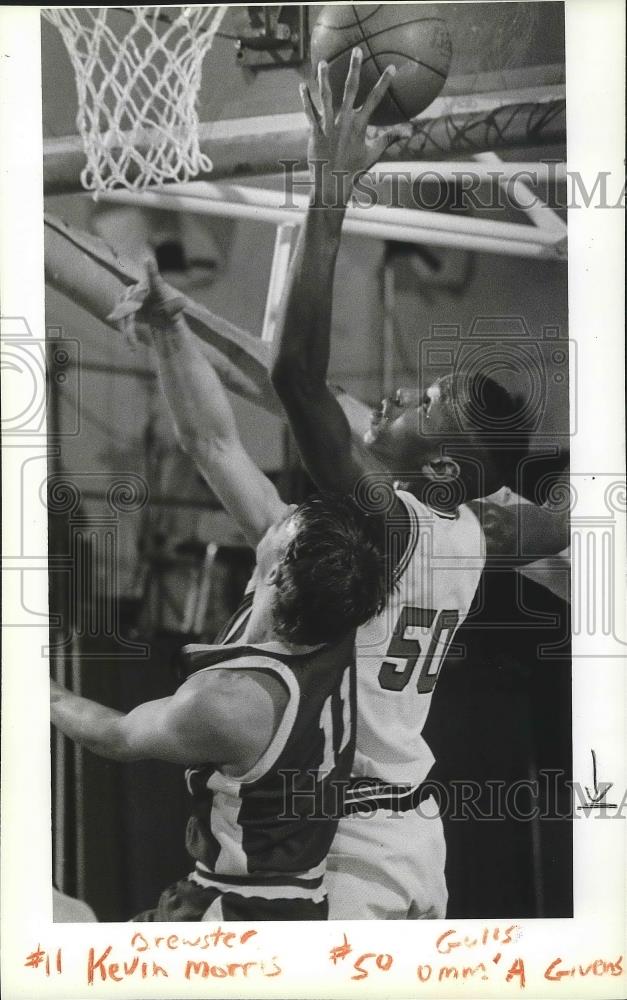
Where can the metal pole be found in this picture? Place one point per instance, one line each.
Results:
(278, 278)
(250, 146)
(452, 170)
(480, 235)
(543, 216)
(233, 195)
(389, 303)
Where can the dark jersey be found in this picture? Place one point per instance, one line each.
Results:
(236, 625)
(278, 820)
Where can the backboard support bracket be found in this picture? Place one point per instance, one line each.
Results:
(278, 36)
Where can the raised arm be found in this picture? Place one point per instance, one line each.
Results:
(204, 419)
(339, 151)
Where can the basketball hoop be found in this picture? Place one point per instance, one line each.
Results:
(137, 90)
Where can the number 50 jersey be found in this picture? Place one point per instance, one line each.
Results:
(400, 653)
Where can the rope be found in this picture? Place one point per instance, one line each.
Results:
(137, 92)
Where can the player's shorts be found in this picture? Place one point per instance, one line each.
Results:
(66, 910)
(198, 897)
(388, 865)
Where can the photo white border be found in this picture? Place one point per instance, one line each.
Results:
(595, 110)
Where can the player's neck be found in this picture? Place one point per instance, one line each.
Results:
(260, 628)
(440, 497)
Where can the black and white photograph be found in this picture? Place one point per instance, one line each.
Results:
(324, 583)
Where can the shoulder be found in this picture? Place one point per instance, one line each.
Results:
(499, 517)
(398, 529)
(250, 684)
(504, 497)
(239, 710)
(495, 515)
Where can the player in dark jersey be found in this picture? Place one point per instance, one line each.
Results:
(263, 724)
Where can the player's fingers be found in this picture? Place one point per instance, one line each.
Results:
(155, 285)
(352, 79)
(310, 109)
(152, 270)
(127, 326)
(378, 92)
(325, 95)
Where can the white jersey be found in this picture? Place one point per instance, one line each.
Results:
(400, 653)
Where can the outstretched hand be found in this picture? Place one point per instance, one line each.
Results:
(161, 305)
(150, 303)
(339, 139)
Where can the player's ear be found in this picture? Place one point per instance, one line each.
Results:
(271, 578)
(443, 467)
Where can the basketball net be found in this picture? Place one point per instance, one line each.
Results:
(137, 90)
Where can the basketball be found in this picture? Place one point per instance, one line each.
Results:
(412, 37)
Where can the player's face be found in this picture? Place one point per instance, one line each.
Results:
(272, 546)
(407, 434)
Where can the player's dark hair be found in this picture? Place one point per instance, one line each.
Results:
(333, 576)
(489, 416)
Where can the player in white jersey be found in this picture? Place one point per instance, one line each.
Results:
(403, 648)
(435, 535)
(378, 867)
(428, 541)
(428, 533)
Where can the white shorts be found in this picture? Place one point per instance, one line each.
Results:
(388, 866)
(67, 910)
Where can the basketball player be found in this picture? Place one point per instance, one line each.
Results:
(440, 451)
(264, 724)
(393, 749)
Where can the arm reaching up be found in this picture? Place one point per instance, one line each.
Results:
(339, 151)
(204, 419)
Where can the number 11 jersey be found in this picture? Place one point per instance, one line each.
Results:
(400, 653)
